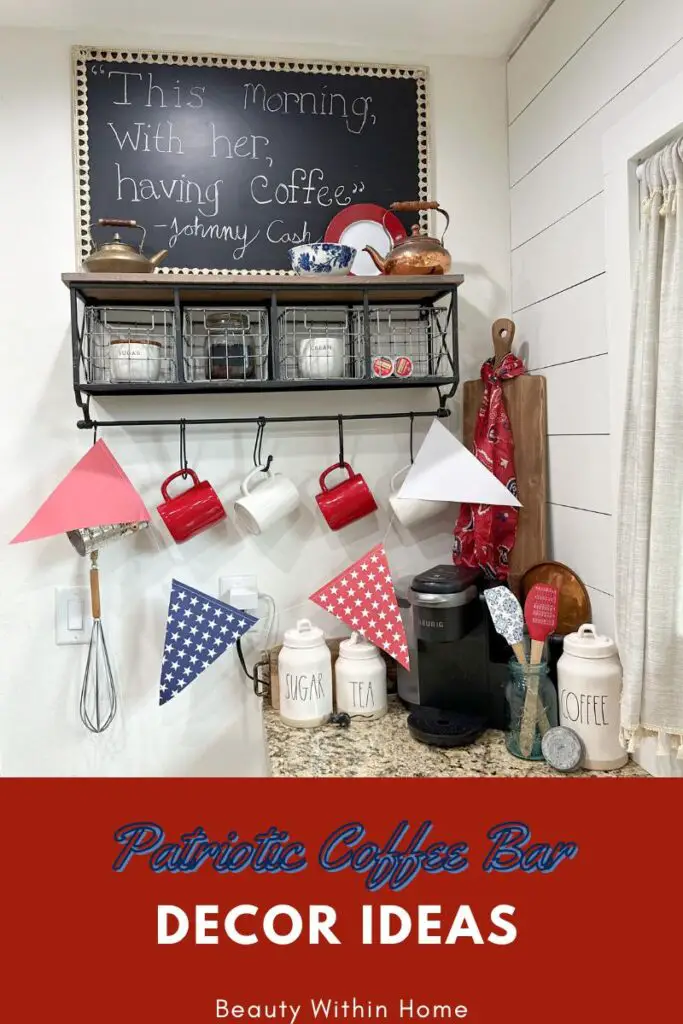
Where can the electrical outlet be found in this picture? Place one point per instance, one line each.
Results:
(73, 622)
(239, 591)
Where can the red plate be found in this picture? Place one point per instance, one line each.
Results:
(365, 224)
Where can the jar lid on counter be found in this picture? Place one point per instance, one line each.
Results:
(358, 648)
(587, 643)
(304, 634)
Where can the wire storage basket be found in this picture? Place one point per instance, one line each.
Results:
(225, 344)
(128, 345)
(408, 342)
(318, 344)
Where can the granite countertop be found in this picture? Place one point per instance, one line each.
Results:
(385, 748)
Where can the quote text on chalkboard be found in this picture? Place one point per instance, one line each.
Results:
(228, 167)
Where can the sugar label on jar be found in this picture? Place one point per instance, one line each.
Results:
(304, 688)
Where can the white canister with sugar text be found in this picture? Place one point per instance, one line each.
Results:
(305, 673)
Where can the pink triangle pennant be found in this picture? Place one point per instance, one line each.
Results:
(363, 597)
(96, 492)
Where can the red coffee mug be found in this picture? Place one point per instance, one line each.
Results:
(192, 511)
(348, 501)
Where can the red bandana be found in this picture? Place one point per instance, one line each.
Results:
(485, 534)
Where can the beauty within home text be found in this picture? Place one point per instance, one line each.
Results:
(391, 865)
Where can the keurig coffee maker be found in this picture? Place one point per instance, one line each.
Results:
(453, 666)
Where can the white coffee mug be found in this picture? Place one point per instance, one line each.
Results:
(266, 498)
(320, 358)
(411, 511)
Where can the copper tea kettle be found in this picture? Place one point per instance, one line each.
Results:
(418, 253)
(117, 257)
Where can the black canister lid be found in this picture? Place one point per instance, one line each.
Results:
(445, 579)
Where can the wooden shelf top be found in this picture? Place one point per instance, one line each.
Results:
(200, 288)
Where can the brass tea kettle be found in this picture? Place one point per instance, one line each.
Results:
(417, 254)
(117, 257)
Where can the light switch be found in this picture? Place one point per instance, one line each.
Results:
(74, 614)
(73, 623)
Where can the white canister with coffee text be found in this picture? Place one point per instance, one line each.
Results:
(360, 675)
(305, 674)
(589, 690)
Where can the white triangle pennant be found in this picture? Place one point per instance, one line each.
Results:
(444, 470)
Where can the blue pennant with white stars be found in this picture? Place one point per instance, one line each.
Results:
(199, 628)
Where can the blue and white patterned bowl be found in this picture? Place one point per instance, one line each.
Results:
(322, 258)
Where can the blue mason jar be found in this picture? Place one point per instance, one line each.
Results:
(515, 694)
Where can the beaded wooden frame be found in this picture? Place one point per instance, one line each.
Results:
(82, 54)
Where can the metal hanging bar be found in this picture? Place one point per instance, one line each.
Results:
(441, 413)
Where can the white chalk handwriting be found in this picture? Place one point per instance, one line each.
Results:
(321, 103)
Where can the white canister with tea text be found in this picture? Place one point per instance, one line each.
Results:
(589, 690)
(360, 679)
(305, 674)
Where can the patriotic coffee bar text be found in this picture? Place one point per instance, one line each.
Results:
(388, 864)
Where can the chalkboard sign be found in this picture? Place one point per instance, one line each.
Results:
(229, 162)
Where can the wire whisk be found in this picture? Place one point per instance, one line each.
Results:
(98, 702)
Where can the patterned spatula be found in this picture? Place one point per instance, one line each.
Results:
(508, 618)
(540, 610)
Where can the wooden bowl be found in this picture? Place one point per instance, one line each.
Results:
(574, 608)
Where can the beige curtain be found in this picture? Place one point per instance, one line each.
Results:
(649, 576)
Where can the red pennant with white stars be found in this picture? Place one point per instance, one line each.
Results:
(363, 597)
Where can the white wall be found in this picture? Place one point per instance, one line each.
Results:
(586, 64)
(214, 729)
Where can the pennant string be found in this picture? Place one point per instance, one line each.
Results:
(412, 426)
(94, 434)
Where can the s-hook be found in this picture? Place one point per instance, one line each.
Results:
(340, 425)
(183, 450)
(258, 446)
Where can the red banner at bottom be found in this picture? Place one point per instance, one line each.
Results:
(339, 900)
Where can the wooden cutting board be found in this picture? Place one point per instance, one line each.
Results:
(525, 401)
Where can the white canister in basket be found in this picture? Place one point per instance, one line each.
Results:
(305, 674)
(360, 675)
(589, 690)
(133, 360)
(320, 358)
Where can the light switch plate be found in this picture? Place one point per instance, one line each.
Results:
(73, 621)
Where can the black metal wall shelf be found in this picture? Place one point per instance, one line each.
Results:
(274, 294)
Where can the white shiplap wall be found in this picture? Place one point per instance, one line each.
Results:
(584, 67)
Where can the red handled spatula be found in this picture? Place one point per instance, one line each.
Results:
(540, 612)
